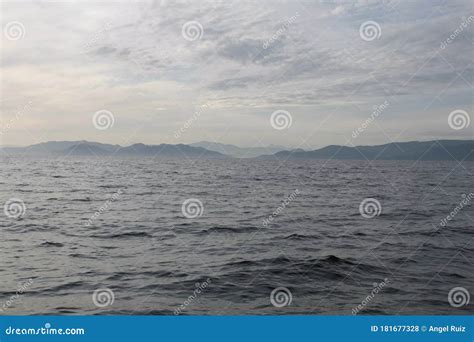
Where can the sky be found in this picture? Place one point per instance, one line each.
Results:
(296, 73)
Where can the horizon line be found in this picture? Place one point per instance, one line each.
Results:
(215, 142)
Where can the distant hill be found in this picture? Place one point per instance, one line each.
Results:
(180, 150)
(62, 147)
(239, 152)
(87, 148)
(415, 150)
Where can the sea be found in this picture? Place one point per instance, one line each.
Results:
(147, 236)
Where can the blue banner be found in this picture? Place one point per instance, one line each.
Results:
(237, 328)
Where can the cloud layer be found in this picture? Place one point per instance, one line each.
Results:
(154, 64)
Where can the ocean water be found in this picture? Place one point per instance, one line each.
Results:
(117, 225)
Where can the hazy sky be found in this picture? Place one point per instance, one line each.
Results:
(183, 71)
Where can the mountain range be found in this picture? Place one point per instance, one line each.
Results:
(88, 148)
(239, 152)
(415, 150)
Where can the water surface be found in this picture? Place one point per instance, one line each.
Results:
(142, 247)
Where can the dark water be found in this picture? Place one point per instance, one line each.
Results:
(319, 247)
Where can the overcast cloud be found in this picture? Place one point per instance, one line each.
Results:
(250, 59)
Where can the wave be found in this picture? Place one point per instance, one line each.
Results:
(122, 235)
(51, 244)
